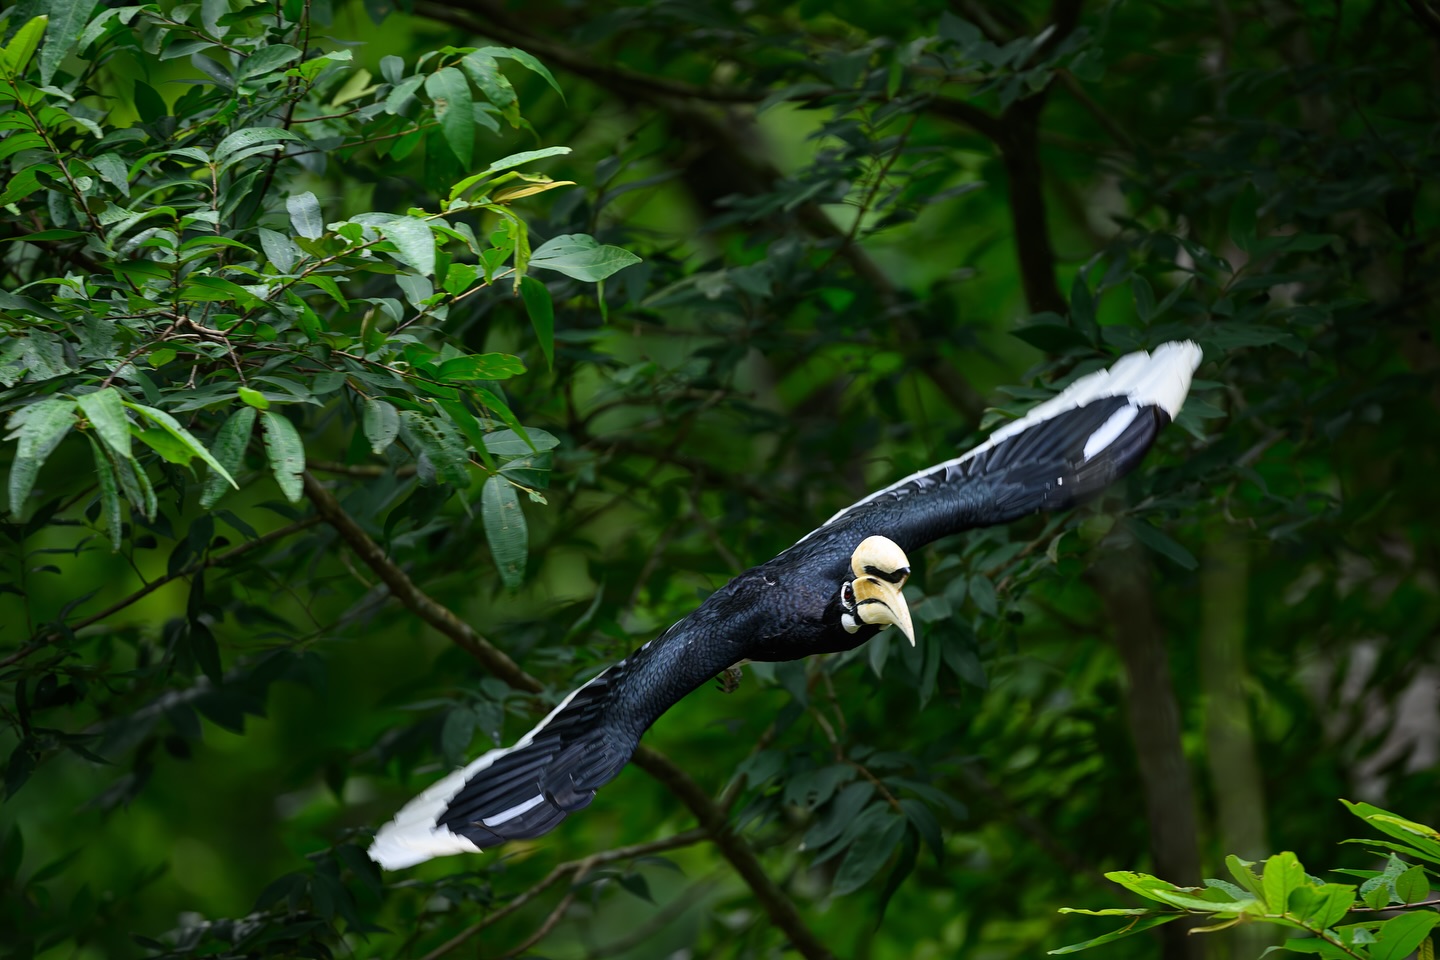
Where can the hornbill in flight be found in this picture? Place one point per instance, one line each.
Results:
(833, 590)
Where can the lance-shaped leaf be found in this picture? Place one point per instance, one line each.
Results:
(286, 452)
(455, 109)
(505, 529)
(38, 428)
(581, 256)
(230, 443)
(109, 494)
(480, 366)
(105, 410)
(187, 440)
(542, 315)
(381, 424)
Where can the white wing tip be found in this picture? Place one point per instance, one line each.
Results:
(1171, 367)
(398, 845)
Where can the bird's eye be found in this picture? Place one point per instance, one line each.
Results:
(847, 595)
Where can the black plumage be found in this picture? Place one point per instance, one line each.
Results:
(810, 599)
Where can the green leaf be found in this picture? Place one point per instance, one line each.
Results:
(1161, 543)
(868, 854)
(381, 424)
(1413, 886)
(305, 215)
(39, 428)
(172, 427)
(456, 734)
(506, 163)
(109, 494)
(253, 398)
(230, 443)
(17, 53)
(505, 529)
(286, 452)
(509, 443)
(250, 137)
(441, 446)
(413, 239)
(1140, 925)
(485, 73)
(105, 410)
(542, 315)
(68, 19)
(1397, 938)
(1282, 874)
(525, 60)
(481, 366)
(581, 256)
(1082, 308)
(267, 59)
(450, 93)
(1242, 218)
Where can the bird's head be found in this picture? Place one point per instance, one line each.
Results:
(873, 596)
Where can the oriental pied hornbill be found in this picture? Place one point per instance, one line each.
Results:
(833, 590)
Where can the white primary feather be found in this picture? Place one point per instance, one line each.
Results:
(1160, 379)
(415, 836)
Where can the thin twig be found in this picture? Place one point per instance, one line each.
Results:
(686, 839)
(214, 560)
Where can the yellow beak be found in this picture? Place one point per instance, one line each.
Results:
(879, 602)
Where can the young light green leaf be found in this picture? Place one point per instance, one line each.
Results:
(39, 428)
(109, 495)
(506, 163)
(481, 366)
(305, 215)
(1413, 886)
(581, 256)
(17, 53)
(172, 427)
(381, 424)
(1140, 925)
(230, 443)
(286, 452)
(505, 529)
(253, 398)
(454, 107)
(1283, 873)
(542, 315)
(106, 413)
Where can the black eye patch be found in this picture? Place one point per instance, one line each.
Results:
(894, 576)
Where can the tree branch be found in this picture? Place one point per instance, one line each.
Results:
(214, 560)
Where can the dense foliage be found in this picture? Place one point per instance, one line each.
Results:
(1390, 912)
(372, 377)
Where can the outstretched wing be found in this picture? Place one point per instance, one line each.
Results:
(525, 790)
(1066, 449)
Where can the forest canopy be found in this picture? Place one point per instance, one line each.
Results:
(373, 375)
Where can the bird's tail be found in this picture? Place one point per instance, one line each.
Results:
(517, 792)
